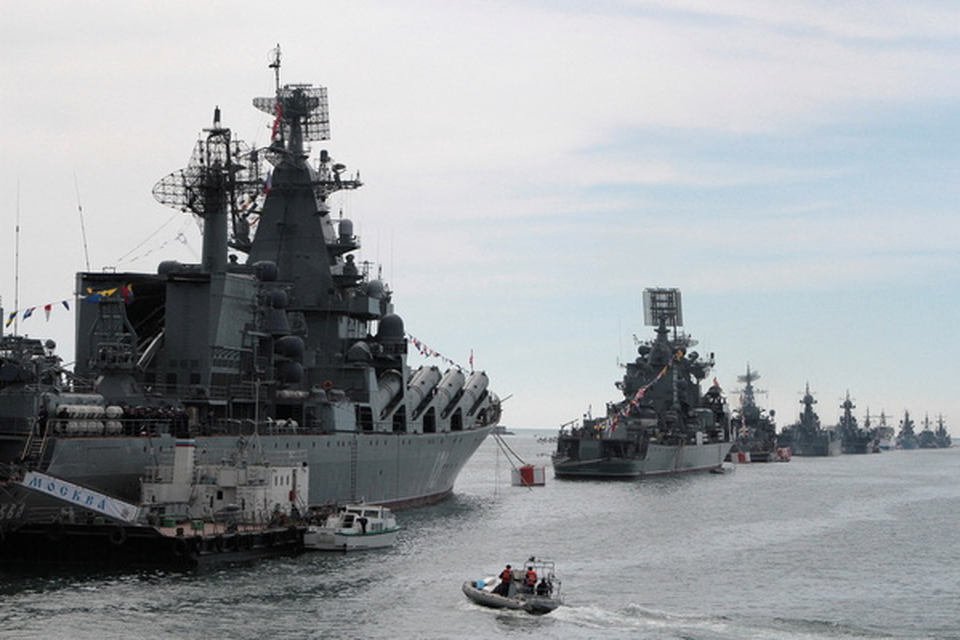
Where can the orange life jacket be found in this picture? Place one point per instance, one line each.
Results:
(506, 575)
(531, 577)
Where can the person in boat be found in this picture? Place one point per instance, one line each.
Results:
(506, 577)
(544, 588)
(531, 581)
(363, 525)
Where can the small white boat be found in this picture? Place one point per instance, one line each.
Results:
(536, 595)
(353, 527)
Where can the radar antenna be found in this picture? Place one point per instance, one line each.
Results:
(749, 377)
(221, 181)
(301, 113)
(748, 393)
(662, 305)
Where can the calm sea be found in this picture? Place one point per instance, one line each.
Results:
(848, 547)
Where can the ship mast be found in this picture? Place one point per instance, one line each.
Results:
(275, 65)
(210, 187)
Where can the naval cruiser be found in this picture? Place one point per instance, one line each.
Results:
(663, 425)
(279, 339)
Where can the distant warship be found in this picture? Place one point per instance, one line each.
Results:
(907, 437)
(753, 428)
(927, 439)
(663, 425)
(886, 435)
(806, 437)
(278, 338)
(943, 438)
(855, 439)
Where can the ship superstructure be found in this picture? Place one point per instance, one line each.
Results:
(279, 333)
(664, 424)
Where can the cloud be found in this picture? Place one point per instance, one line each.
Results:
(531, 166)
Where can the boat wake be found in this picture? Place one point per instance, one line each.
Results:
(599, 622)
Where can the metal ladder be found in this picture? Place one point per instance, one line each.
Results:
(34, 447)
(354, 454)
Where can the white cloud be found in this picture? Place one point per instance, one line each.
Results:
(524, 156)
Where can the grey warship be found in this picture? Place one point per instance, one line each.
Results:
(278, 337)
(806, 437)
(907, 437)
(943, 438)
(855, 439)
(886, 435)
(663, 425)
(930, 438)
(753, 427)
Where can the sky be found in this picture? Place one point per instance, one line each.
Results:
(531, 167)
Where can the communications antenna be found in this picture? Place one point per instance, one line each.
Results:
(220, 186)
(275, 65)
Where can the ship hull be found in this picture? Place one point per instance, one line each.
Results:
(860, 447)
(58, 545)
(753, 455)
(395, 470)
(660, 460)
(817, 448)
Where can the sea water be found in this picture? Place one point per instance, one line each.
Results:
(847, 547)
